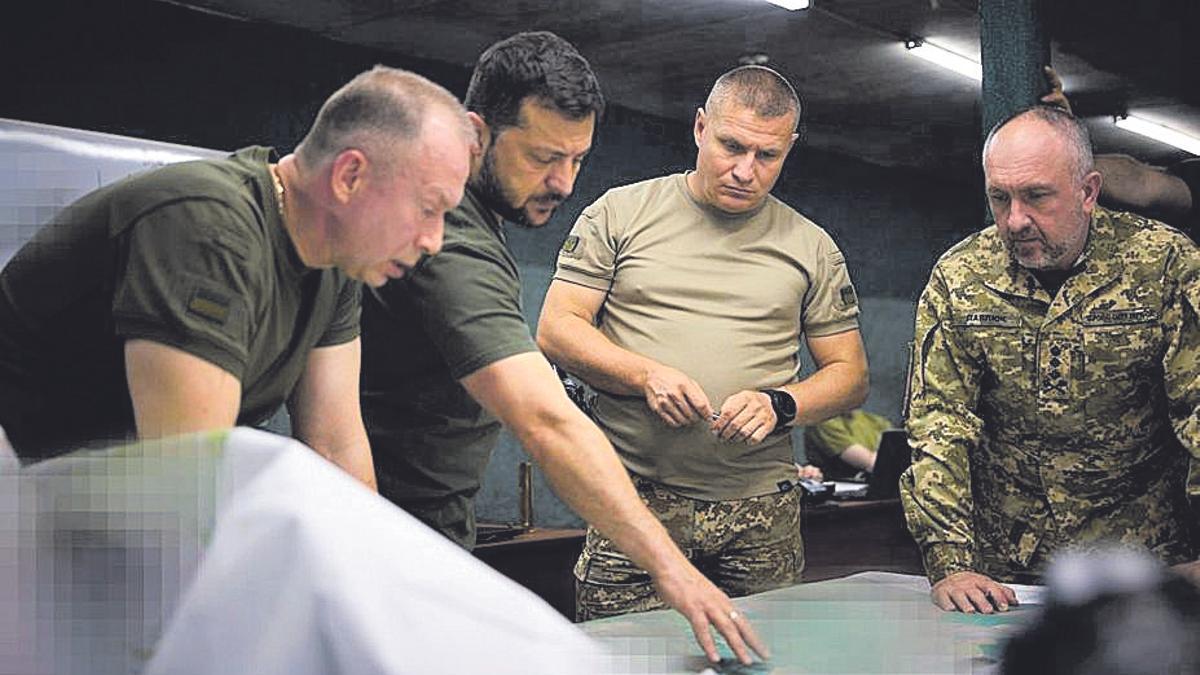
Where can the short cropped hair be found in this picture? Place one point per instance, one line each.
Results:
(1064, 123)
(376, 111)
(538, 64)
(759, 88)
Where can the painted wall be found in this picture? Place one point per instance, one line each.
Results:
(157, 71)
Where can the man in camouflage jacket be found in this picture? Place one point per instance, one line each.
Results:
(1053, 397)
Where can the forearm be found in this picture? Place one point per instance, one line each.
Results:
(942, 533)
(832, 390)
(349, 449)
(859, 457)
(937, 499)
(943, 428)
(1181, 381)
(1130, 184)
(325, 410)
(579, 347)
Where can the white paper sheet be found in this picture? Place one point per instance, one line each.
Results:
(311, 573)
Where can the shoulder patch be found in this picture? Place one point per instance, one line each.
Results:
(570, 247)
(848, 297)
(209, 305)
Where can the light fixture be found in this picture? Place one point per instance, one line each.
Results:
(945, 58)
(754, 59)
(791, 4)
(1160, 133)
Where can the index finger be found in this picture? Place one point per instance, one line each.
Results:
(696, 398)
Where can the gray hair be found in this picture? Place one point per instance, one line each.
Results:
(1064, 124)
(377, 112)
(758, 88)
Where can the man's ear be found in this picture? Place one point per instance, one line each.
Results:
(1091, 189)
(348, 174)
(483, 134)
(698, 127)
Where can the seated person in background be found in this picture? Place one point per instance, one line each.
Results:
(809, 472)
(205, 294)
(1170, 194)
(844, 446)
(1054, 395)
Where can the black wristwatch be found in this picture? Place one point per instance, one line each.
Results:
(784, 406)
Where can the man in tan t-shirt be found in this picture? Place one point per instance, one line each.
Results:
(683, 300)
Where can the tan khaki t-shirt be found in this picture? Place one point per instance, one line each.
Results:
(722, 298)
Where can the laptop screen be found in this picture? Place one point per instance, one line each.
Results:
(891, 459)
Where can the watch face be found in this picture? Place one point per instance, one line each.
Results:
(783, 403)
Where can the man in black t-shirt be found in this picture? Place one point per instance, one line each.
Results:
(205, 294)
(436, 390)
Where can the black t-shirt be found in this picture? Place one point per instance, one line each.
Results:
(458, 312)
(191, 255)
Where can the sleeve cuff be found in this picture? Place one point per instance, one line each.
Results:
(226, 357)
(942, 560)
(340, 336)
(825, 330)
(582, 278)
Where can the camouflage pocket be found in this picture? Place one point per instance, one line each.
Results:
(1120, 365)
(602, 563)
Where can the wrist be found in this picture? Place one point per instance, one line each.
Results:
(784, 406)
(942, 560)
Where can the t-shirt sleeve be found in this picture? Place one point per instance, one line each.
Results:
(588, 255)
(345, 324)
(469, 304)
(186, 279)
(831, 304)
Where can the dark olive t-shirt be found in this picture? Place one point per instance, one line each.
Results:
(458, 312)
(191, 255)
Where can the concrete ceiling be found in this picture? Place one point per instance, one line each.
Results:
(866, 96)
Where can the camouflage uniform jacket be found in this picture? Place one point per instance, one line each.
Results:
(1038, 421)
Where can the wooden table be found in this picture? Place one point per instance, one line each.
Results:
(846, 537)
(541, 560)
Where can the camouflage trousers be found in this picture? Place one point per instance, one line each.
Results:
(743, 546)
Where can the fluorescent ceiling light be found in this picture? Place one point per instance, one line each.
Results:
(945, 58)
(791, 4)
(1158, 132)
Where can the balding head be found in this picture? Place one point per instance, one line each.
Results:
(380, 112)
(758, 88)
(1061, 125)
